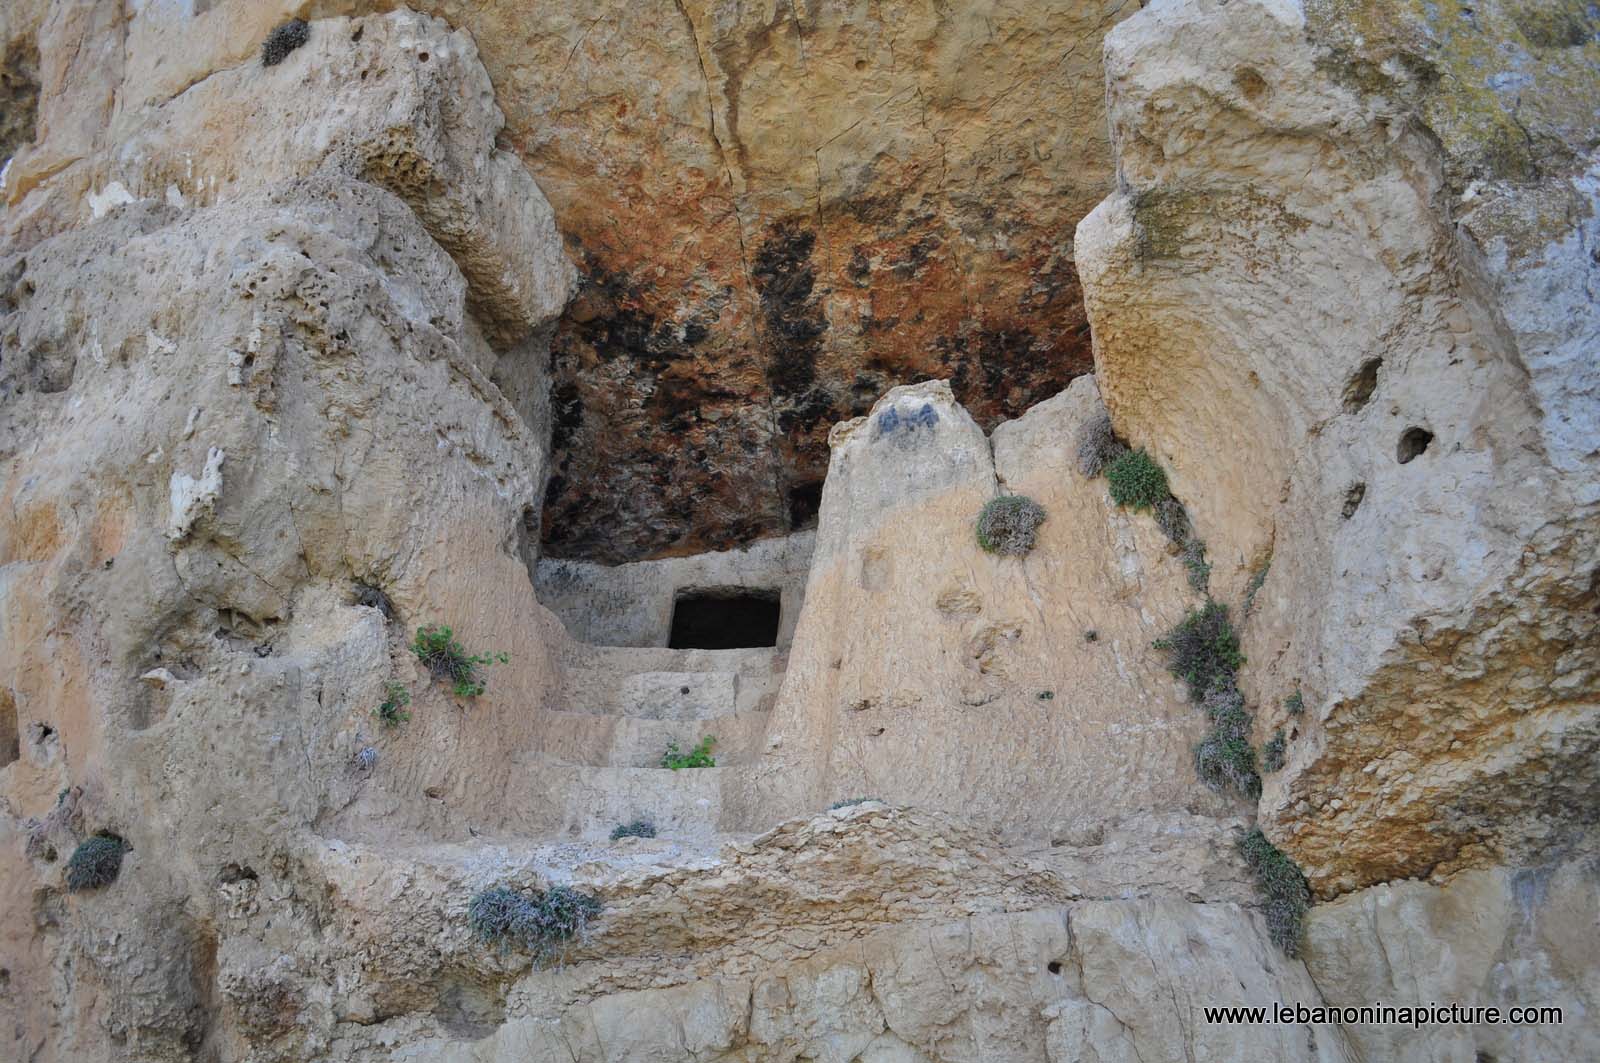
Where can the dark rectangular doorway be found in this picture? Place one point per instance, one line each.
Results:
(725, 619)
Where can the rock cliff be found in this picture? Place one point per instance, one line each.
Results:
(431, 315)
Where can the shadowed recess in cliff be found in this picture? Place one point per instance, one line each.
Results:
(19, 96)
(697, 420)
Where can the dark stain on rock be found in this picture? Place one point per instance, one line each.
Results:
(566, 413)
(792, 322)
(998, 371)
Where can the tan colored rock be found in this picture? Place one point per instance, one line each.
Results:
(926, 671)
(1345, 384)
(254, 432)
(833, 938)
(1496, 938)
(780, 212)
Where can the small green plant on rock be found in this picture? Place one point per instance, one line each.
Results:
(542, 921)
(282, 40)
(1275, 753)
(1203, 649)
(639, 828)
(392, 712)
(1194, 560)
(1136, 480)
(96, 862)
(847, 802)
(1295, 703)
(1008, 525)
(436, 647)
(1225, 759)
(698, 757)
(1283, 889)
(1098, 446)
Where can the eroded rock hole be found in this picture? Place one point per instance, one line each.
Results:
(232, 873)
(1352, 500)
(1413, 441)
(1362, 385)
(19, 97)
(373, 597)
(724, 619)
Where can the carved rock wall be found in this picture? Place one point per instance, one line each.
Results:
(274, 354)
(1339, 354)
(928, 672)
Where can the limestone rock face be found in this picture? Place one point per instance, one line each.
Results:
(288, 354)
(780, 211)
(1489, 938)
(1374, 389)
(928, 672)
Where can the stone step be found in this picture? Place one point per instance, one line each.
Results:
(682, 804)
(580, 658)
(670, 695)
(634, 742)
(678, 695)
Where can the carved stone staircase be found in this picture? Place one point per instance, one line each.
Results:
(623, 705)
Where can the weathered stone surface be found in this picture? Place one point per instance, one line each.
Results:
(867, 926)
(1380, 387)
(274, 390)
(928, 672)
(632, 604)
(780, 211)
(1488, 938)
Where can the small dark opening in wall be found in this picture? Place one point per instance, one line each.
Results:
(1413, 441)
(1362, 385)
(19, 97)
(725, 619)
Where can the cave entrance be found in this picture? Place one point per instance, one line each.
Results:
(727, 618)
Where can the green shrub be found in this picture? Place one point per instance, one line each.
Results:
(392, 713)
(1275, 753)
(96, 862)
(1224, 759)
(698, 757)
(1008, 525)
(1295, 703)
(1283, 889)
(283, 40)
(1136, 480)
(1203, 649)
(1097, 445)
(639, 828)
(847, 802)
(1194, 559)
(437, 648)
(541, 921)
